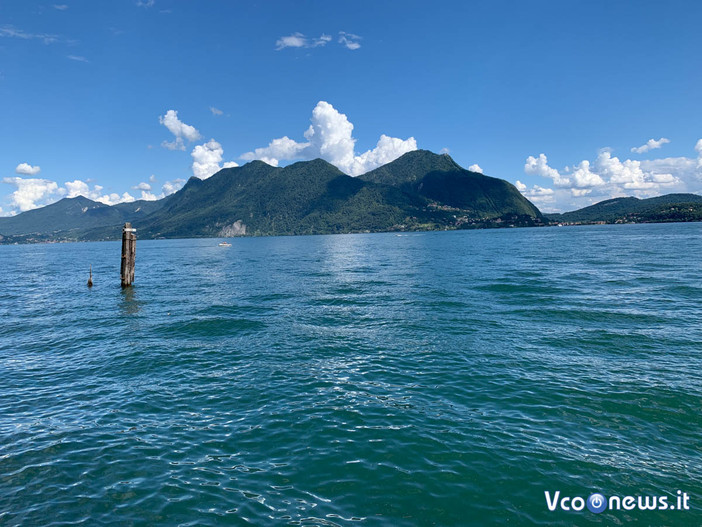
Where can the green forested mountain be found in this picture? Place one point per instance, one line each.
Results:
(411, 167)
(419, 190)
(671, 207)
(75, 213)
(440, 179)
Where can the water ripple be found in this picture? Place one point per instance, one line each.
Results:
(427, 379)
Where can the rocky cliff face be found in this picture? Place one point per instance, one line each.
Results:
(238, 228)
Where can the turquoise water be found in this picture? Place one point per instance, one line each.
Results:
(443, 378)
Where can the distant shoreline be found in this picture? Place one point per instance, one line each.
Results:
(4, 240)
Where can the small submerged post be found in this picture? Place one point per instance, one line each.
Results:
(90, 278)
(128, 254)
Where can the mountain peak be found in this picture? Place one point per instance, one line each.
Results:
(82, 200)
(258, 163)
(410, 167)
(443, 160)
(192, 181)
(318, 163)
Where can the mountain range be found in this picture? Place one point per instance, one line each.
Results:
(419, 190)
(661, 209)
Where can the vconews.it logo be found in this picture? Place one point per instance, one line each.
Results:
(598, 502)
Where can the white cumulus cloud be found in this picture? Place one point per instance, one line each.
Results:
(627, 173)
(216, 111)
(77, 187)
(169, 187)
(538, 166)
(148, 196)
(182, 132)
(114, 198)
(475, 168)
(81, 188)
(584, 178)
(386, 150)
(537, 194)
(278, 149)
(207, 158)
(142, 186)
(608, 176)
(27, 170)
(651, 144)
(330, 137)
(32, 192)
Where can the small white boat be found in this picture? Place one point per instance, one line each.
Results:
(225, 244)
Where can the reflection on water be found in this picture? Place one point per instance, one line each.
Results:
(129, 304)
(352, 380)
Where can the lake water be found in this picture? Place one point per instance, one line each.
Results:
(445, 378)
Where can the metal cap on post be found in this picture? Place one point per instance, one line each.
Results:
(128, 254)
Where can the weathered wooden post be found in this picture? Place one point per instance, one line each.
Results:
(128, 254)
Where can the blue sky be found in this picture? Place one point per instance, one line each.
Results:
(551, 96)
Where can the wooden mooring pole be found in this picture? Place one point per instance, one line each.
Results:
(128, 254)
